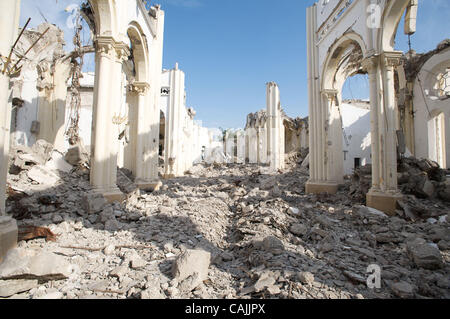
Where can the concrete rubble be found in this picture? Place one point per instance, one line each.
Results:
(224, 231)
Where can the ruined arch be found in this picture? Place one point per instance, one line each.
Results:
(346, 54)
(139, 50)
(390, 20)
(104, 15)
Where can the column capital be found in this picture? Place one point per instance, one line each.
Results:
(370, 63)
(330, 93)
(104, 46)
(108, 47)
(141, 88)
(122, 51)
(392, 59)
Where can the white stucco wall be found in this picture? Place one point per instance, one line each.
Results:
(356, 122)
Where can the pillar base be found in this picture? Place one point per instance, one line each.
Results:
(149, 186)
(384, 202)
(169, 176)
(321, 187)
(112, 195)
(8, 235)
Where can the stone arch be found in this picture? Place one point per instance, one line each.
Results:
(391, 18)
(338, 54)
(343, 60)
(105, 17)
(431, 124)
(140, 51)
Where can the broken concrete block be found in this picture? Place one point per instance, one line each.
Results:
(8, 235)
(11, 287)
(33, 264)
(266, 280)
(191, 262)
(77, 155)
(137, 262)
(124, 183)
(43, 175)
(94, 203)
(42, 149)
(424, 255)
(57, 162)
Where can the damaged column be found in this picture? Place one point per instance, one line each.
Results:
(274, 127)
(173, 149)
(318, 120)
(9, 21)
(385, 196)
(104, 144)
(143, 148)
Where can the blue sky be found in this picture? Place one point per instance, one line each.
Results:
(229, 50)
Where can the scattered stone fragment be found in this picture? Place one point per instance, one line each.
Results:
(33, 264)
(11, 287)
(403, 290)
(305, 277)
(424, 254)
(194, 264)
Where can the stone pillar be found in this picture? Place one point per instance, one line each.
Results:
(274, 126)
(106, 115)
(371, 66)
(252, 136)
(154, 96)
(319, 103)
(262, 144)
(174, 126)
(385, 197)
(333, 131)
(9, 23)
(142, 168)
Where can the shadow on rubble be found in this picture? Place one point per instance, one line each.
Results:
(256, 260)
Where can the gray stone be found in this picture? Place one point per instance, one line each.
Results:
(424, 255)
(77, 156)
(93, 203)
(305, 277)
(11, 287)
(298, 229)
(266, 280)
(189, 263)
(273, 245)
(403, 290)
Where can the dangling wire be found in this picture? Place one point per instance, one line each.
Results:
(73, 131)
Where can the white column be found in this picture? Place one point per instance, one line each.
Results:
(333, 142)
(104, 144)
(273, 128)
(252, 136)
(371, 66)
(391, 61)
(9, 22)
(174, 126)
(384, 193)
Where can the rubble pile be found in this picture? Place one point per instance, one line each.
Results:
(425, 185)
(223, 231)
